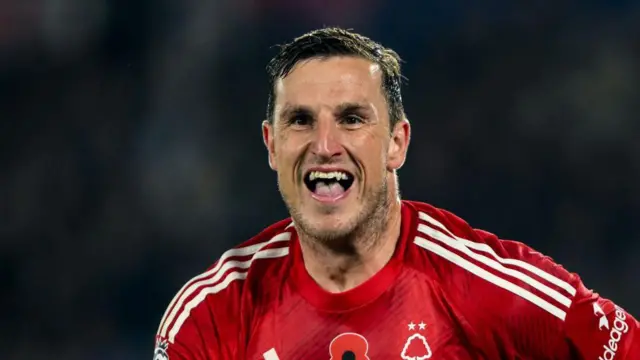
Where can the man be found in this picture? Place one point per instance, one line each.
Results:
(357, 273)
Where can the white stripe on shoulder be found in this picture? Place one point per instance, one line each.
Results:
(192, 285)
(452, 243)
(475, 269)
(515, 262)
(212, 289)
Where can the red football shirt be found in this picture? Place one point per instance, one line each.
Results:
(448, 292)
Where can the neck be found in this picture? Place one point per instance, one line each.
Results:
(349, 263)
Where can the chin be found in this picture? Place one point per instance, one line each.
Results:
(327, 227)
(330, 235)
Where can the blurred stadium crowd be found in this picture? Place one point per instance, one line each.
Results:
(131, 153)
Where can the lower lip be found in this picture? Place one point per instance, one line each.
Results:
(330, 199)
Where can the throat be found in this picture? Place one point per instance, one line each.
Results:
(346, 274)
(340, 272)
(339, 265)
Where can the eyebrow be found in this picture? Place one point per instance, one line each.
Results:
(289, 110)
(351, 107)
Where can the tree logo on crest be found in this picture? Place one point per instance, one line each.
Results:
(416, 347)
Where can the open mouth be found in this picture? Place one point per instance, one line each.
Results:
(328, 184)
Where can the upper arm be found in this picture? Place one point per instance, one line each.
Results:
(597, 328)
(525, 304)
(188, 335)
(576, 323)
(199, 323)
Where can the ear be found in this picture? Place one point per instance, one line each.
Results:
(267, 137)
(400, 138)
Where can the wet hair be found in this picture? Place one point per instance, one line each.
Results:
(332, 41)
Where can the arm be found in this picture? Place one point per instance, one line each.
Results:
(201, 322)
(596, 328)
(531, 307)
(194, 337)
(593, 327)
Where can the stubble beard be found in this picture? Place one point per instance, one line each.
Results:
(362, 231)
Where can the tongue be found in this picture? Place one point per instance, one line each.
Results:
(329, 190)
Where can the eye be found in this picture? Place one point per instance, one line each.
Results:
(352, 119)
(300, 120)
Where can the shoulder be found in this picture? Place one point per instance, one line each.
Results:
(502, 271)
(218, 293)
(503, 289)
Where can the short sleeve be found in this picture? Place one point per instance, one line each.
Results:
(201, 322)
(597, 328)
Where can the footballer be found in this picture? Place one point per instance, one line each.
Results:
(358, 273)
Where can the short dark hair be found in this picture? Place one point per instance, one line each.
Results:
(333, 41)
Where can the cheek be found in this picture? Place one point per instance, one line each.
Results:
(290, 145)
(373, 155)
(288, 155)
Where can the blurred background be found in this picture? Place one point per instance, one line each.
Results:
(131, 153)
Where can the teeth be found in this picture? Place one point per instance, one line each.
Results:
(337, 175)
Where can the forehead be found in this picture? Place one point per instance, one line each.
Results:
(330, 82)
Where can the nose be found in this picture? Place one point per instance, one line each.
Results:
(326, 141)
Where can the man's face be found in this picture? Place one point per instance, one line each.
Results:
(331, 145)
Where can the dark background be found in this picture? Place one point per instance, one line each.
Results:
(131, 153)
